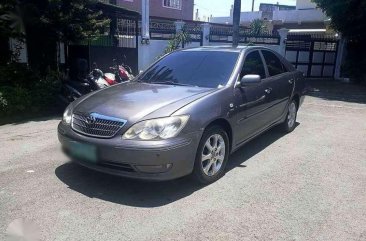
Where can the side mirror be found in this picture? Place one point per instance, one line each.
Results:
(250, 80)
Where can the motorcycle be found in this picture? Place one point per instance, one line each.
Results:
(120, 73)
(74, 88)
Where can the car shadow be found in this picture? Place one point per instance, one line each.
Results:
(146, 194)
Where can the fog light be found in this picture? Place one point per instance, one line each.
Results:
(154, 168)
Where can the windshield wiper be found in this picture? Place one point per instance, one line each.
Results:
(170, 83)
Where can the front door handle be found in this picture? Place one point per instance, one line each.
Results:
(268, 90)
(291, 81)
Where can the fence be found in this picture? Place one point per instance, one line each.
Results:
(315, 55)
(223, 34)
(201, 34)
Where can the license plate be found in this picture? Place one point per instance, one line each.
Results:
(84, 152)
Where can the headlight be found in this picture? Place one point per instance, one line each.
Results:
(66, 118)
(162, 128)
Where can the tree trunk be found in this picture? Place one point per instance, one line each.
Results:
(236, 22)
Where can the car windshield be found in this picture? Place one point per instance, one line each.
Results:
(210, 69)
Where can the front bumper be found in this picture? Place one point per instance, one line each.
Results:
(149, 160)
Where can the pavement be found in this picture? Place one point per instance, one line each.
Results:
(307, 185)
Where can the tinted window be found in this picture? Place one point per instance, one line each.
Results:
(198, 68)
(253, 65)
(274, 65)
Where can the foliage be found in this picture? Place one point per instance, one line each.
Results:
(349, 18)
(46, 22)
(179, 40)
(258, 27)
(36, 94)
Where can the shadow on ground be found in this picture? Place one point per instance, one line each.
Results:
(150, 194)
(18, 120)
(333, 90)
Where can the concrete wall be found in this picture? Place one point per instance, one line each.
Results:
(299, 16)
(305, 4)
(158, 10)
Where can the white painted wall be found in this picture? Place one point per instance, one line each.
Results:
(305, 4)
(299, 16)
(148, 53)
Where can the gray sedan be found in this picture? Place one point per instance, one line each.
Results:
(184, 115)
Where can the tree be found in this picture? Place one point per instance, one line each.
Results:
(43, 23)
(236, 22)
(349, 18)
(258, 27)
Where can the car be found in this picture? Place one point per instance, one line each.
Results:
(184, 115)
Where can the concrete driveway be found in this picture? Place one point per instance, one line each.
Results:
(308, 185)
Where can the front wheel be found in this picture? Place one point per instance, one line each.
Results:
(290, 123)
(212, 155)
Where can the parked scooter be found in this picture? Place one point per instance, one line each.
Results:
(120, 73)
(75, 87)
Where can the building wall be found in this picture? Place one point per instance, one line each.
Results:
(157, 9)
(305, 4)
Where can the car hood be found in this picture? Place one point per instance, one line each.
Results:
(134, 101)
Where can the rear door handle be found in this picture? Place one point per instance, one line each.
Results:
(268, 90)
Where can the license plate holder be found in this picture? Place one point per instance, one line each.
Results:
(84, 152)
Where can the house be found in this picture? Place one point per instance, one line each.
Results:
(304, 17)
(177, 9)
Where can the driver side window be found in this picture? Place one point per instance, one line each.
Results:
(253, 64)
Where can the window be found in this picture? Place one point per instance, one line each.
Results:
(253, 65)
(274, 65)
(176, 4)
(208, 69)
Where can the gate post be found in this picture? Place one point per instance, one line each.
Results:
(339, 57)
(283, 39)
(206, 34)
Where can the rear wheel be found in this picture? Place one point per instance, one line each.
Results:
(212, 155)
(290, 123)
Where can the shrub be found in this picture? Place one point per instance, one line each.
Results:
(22, 92)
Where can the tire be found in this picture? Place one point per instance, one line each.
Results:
(212, 168)
(290, 122)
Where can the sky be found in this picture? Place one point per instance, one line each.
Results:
(220, 8)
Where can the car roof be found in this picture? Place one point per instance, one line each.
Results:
(223, 48)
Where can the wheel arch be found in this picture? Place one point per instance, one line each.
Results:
(296, 98)
(226, 126)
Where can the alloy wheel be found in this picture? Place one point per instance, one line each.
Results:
(213, 155)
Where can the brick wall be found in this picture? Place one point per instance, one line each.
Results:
(157, 9)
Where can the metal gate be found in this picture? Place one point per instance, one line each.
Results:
(120, 42)
(314, 55)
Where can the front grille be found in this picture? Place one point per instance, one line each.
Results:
(96, 125)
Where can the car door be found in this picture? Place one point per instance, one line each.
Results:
(280, 82)
(251, 101)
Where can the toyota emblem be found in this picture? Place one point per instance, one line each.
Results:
(90, 119)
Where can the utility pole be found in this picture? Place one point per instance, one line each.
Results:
(236, 22)
(253, 5)
(145, 23)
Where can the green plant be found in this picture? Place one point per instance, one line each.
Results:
(19, 97)
(349, 18)
(258, 27)
(180, 39)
